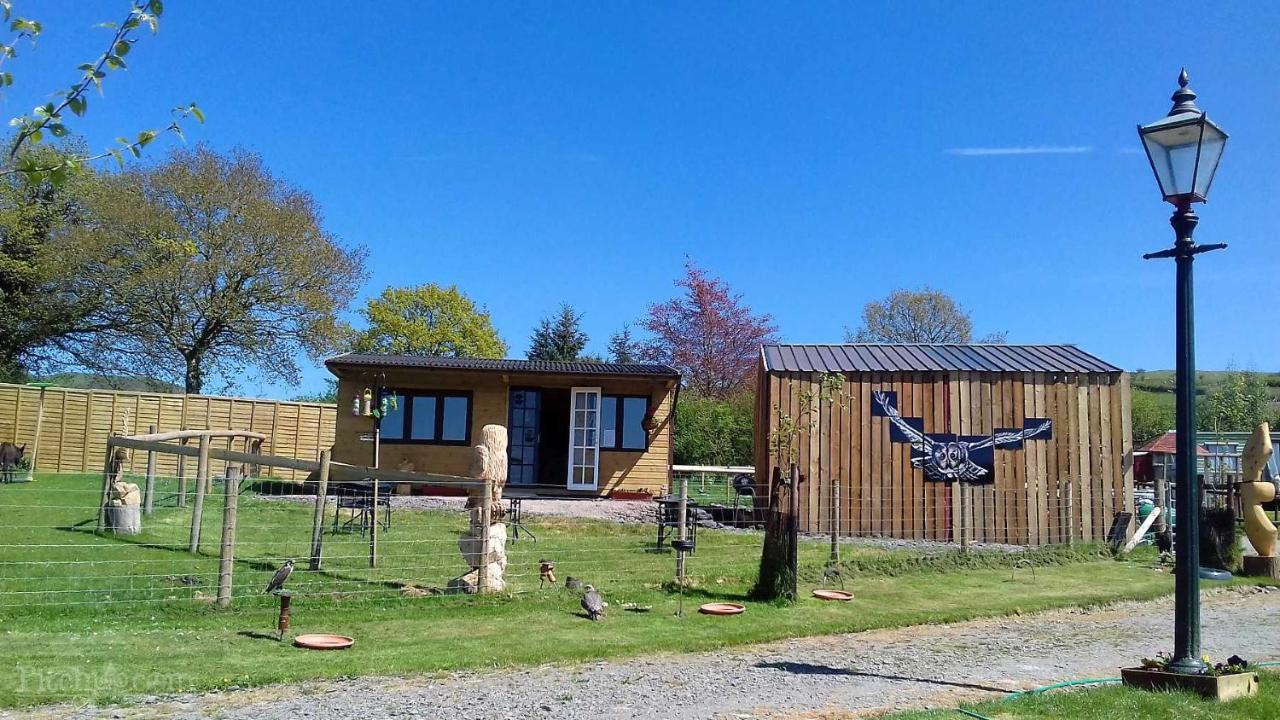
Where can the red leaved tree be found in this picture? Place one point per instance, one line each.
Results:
(707, 334)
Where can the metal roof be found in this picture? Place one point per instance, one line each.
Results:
(578, 367)
(907, 357)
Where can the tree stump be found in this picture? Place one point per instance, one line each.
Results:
(1256, 566)
(484, 545)
(124, 519)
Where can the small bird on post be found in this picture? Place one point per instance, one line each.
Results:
(593, 603)
(277, 580)
(546, 573)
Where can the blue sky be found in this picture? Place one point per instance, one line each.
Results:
(814, 155)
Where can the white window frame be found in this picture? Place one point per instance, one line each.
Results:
(595, 448)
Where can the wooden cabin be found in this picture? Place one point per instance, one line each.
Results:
(575, 428)
(1021, 444)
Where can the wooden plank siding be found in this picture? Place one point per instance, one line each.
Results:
(76, 424)
(1067, 486)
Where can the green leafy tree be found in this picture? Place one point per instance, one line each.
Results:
(714, 431)
(1153, 415)
(559, 337)
(917, 316)
(209, 265)
(51, 116)
(39, 263)
(428, 320)
(1239, 404)
(623, 348)
(328, 395)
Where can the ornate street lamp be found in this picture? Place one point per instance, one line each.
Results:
(1184, 149)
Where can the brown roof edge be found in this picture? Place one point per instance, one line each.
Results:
(484, 365)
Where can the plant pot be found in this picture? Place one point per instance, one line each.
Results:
(1221, 687)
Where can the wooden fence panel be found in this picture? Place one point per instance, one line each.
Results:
(75, 424)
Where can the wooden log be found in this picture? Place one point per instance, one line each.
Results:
(202, 482)
(317, 520)
(148, 493)
(227, 550)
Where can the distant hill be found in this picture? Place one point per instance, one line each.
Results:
(90, 381)
(1162, 381)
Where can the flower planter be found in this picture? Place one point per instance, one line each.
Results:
(1217, 687)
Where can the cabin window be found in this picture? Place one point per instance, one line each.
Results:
(622, 422)
(436, 418)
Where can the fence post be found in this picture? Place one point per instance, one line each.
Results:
(1071, 514)
(202, 481)
(835, 520)
(106, 485)
(682, 532)
(793, 528)
(227, 553)
(317, 522)
(182, 476)
(966, 511)
(486, 527)
(150, 491)
(373, 526)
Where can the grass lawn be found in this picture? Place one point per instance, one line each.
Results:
(1114, 702)
(90, 618)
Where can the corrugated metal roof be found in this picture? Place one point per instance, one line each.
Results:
(907, 357)
(509, 366)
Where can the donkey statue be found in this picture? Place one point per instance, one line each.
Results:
(10, 456)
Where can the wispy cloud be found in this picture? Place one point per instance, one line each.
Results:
(1020, 150)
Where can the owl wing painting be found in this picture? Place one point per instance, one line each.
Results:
(945, 457)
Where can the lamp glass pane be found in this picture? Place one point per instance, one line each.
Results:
(1210, 155)
(1173, 155)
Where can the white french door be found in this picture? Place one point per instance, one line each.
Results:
(584, 438)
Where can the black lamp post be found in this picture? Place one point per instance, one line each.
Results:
(1184, 149)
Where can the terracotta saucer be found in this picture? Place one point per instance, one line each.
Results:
(324, 642)
(722, 609)
(832, 595)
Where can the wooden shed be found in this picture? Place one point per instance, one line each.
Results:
(575, 428)
(1021, 444)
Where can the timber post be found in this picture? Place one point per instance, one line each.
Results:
(106, 485)
(202, 482)
(835, 521)
(182, 477)
(682, 531)
(373, 525)
(486, 531)
(227, 551)
(148, 495)
(793, 529)
(317, 520)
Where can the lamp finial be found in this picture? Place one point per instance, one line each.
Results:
(1184, 98)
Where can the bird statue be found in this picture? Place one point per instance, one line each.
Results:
(593, 603)
(546, 573)
(277, 580)
(572, 583)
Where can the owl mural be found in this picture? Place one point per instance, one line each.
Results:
(946, 457)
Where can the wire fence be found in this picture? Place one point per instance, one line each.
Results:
(396, 542)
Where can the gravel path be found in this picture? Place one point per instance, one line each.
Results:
(840, 676)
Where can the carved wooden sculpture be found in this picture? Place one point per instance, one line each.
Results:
(1255, 491)
(484, 545)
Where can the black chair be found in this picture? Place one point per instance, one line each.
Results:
(744, 486)
(358, 499)
(669, 520)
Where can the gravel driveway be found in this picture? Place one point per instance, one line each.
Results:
(828, 677)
